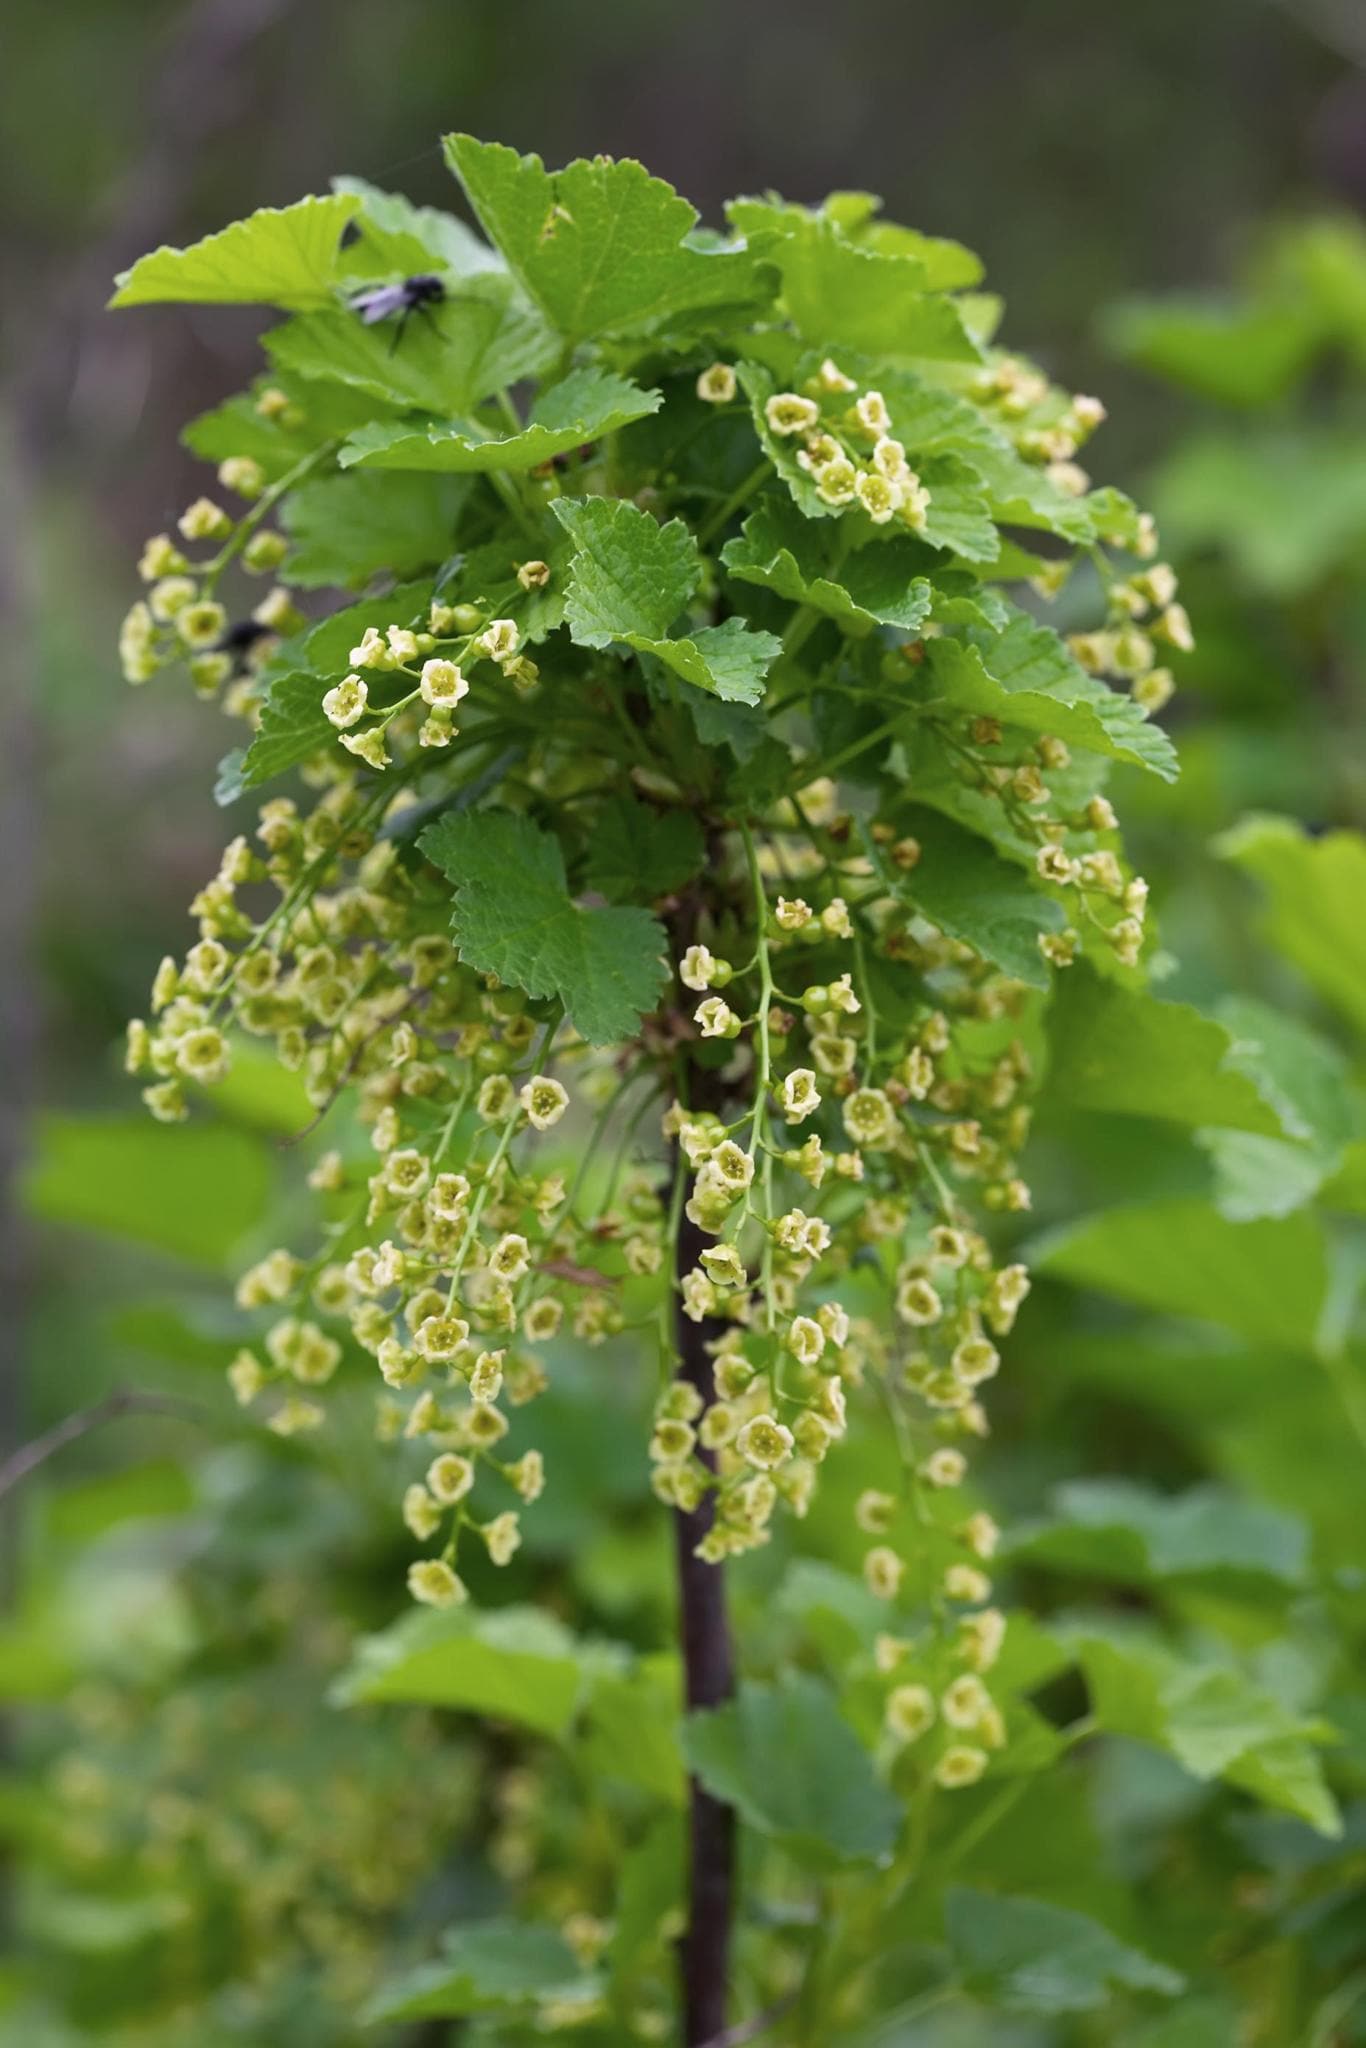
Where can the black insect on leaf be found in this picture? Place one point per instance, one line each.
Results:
(414, 295)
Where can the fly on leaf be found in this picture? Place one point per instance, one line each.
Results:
(414, 295)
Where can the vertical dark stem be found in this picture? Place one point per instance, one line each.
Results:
(709, 1678)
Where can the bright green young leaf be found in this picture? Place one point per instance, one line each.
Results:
(599, 245)
(1215, 1722)
(1128, 1053)
(1117, 1529)
(582, 407)
(880, 584)
(346, 528)
(280, 256)
(401, 238)
(1266, 1279)
(629, 580)
(514, 917)
(785, 1758)
(1315, 889)
(964, 886)
(636, 853)
(195, 1192)
(1025, 677)
(489, 1966)
(512, 1664)
(482, 338)
(1028, 1956)
(841, 295)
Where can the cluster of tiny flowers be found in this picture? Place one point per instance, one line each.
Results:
(182, 617)
(427, 666)
(450, 1255)
(847, 447)
(843, 1213)
(1143, 621)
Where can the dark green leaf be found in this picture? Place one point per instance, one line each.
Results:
(583, 407)
(637, 853)
(1028, 1956)
(514, 917)
(784, 1757)
(492, 1966)
(346, 528)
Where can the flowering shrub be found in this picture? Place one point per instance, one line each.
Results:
(694, 814)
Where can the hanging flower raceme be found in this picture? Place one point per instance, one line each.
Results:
(695, 816)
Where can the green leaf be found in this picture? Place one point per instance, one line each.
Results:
(583, 407)
(637, 853)
(1304, 1079)
(347, 528)
(730, 660)
(961, 884)
(195, 1192)
(279, 256)
(842, 295)
(1266, 1279)
(1315, 888)
(514, 917)
(320, 412)
(482, 338)
(292, 728)
(1214, 1721)
(632, 1728)
(492, 1966)
(630, 574)
(1244, 354)
(1031, 1957)
(1117, 1529)
(1021, 494)
(629, 580)
(511, 1664)
(1286, 507)
(404, 238)
(1127, 1053)
(876, 585)
(599, 245)
(795, 1770)
(1025, 677)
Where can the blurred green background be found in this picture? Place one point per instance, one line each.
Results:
(1094, 155)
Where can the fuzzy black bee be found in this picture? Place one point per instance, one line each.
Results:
(415, 295)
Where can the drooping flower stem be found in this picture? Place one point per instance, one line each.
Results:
(709, 1680)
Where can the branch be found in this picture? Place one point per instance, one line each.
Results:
(704, 1626)
(123, 1401)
